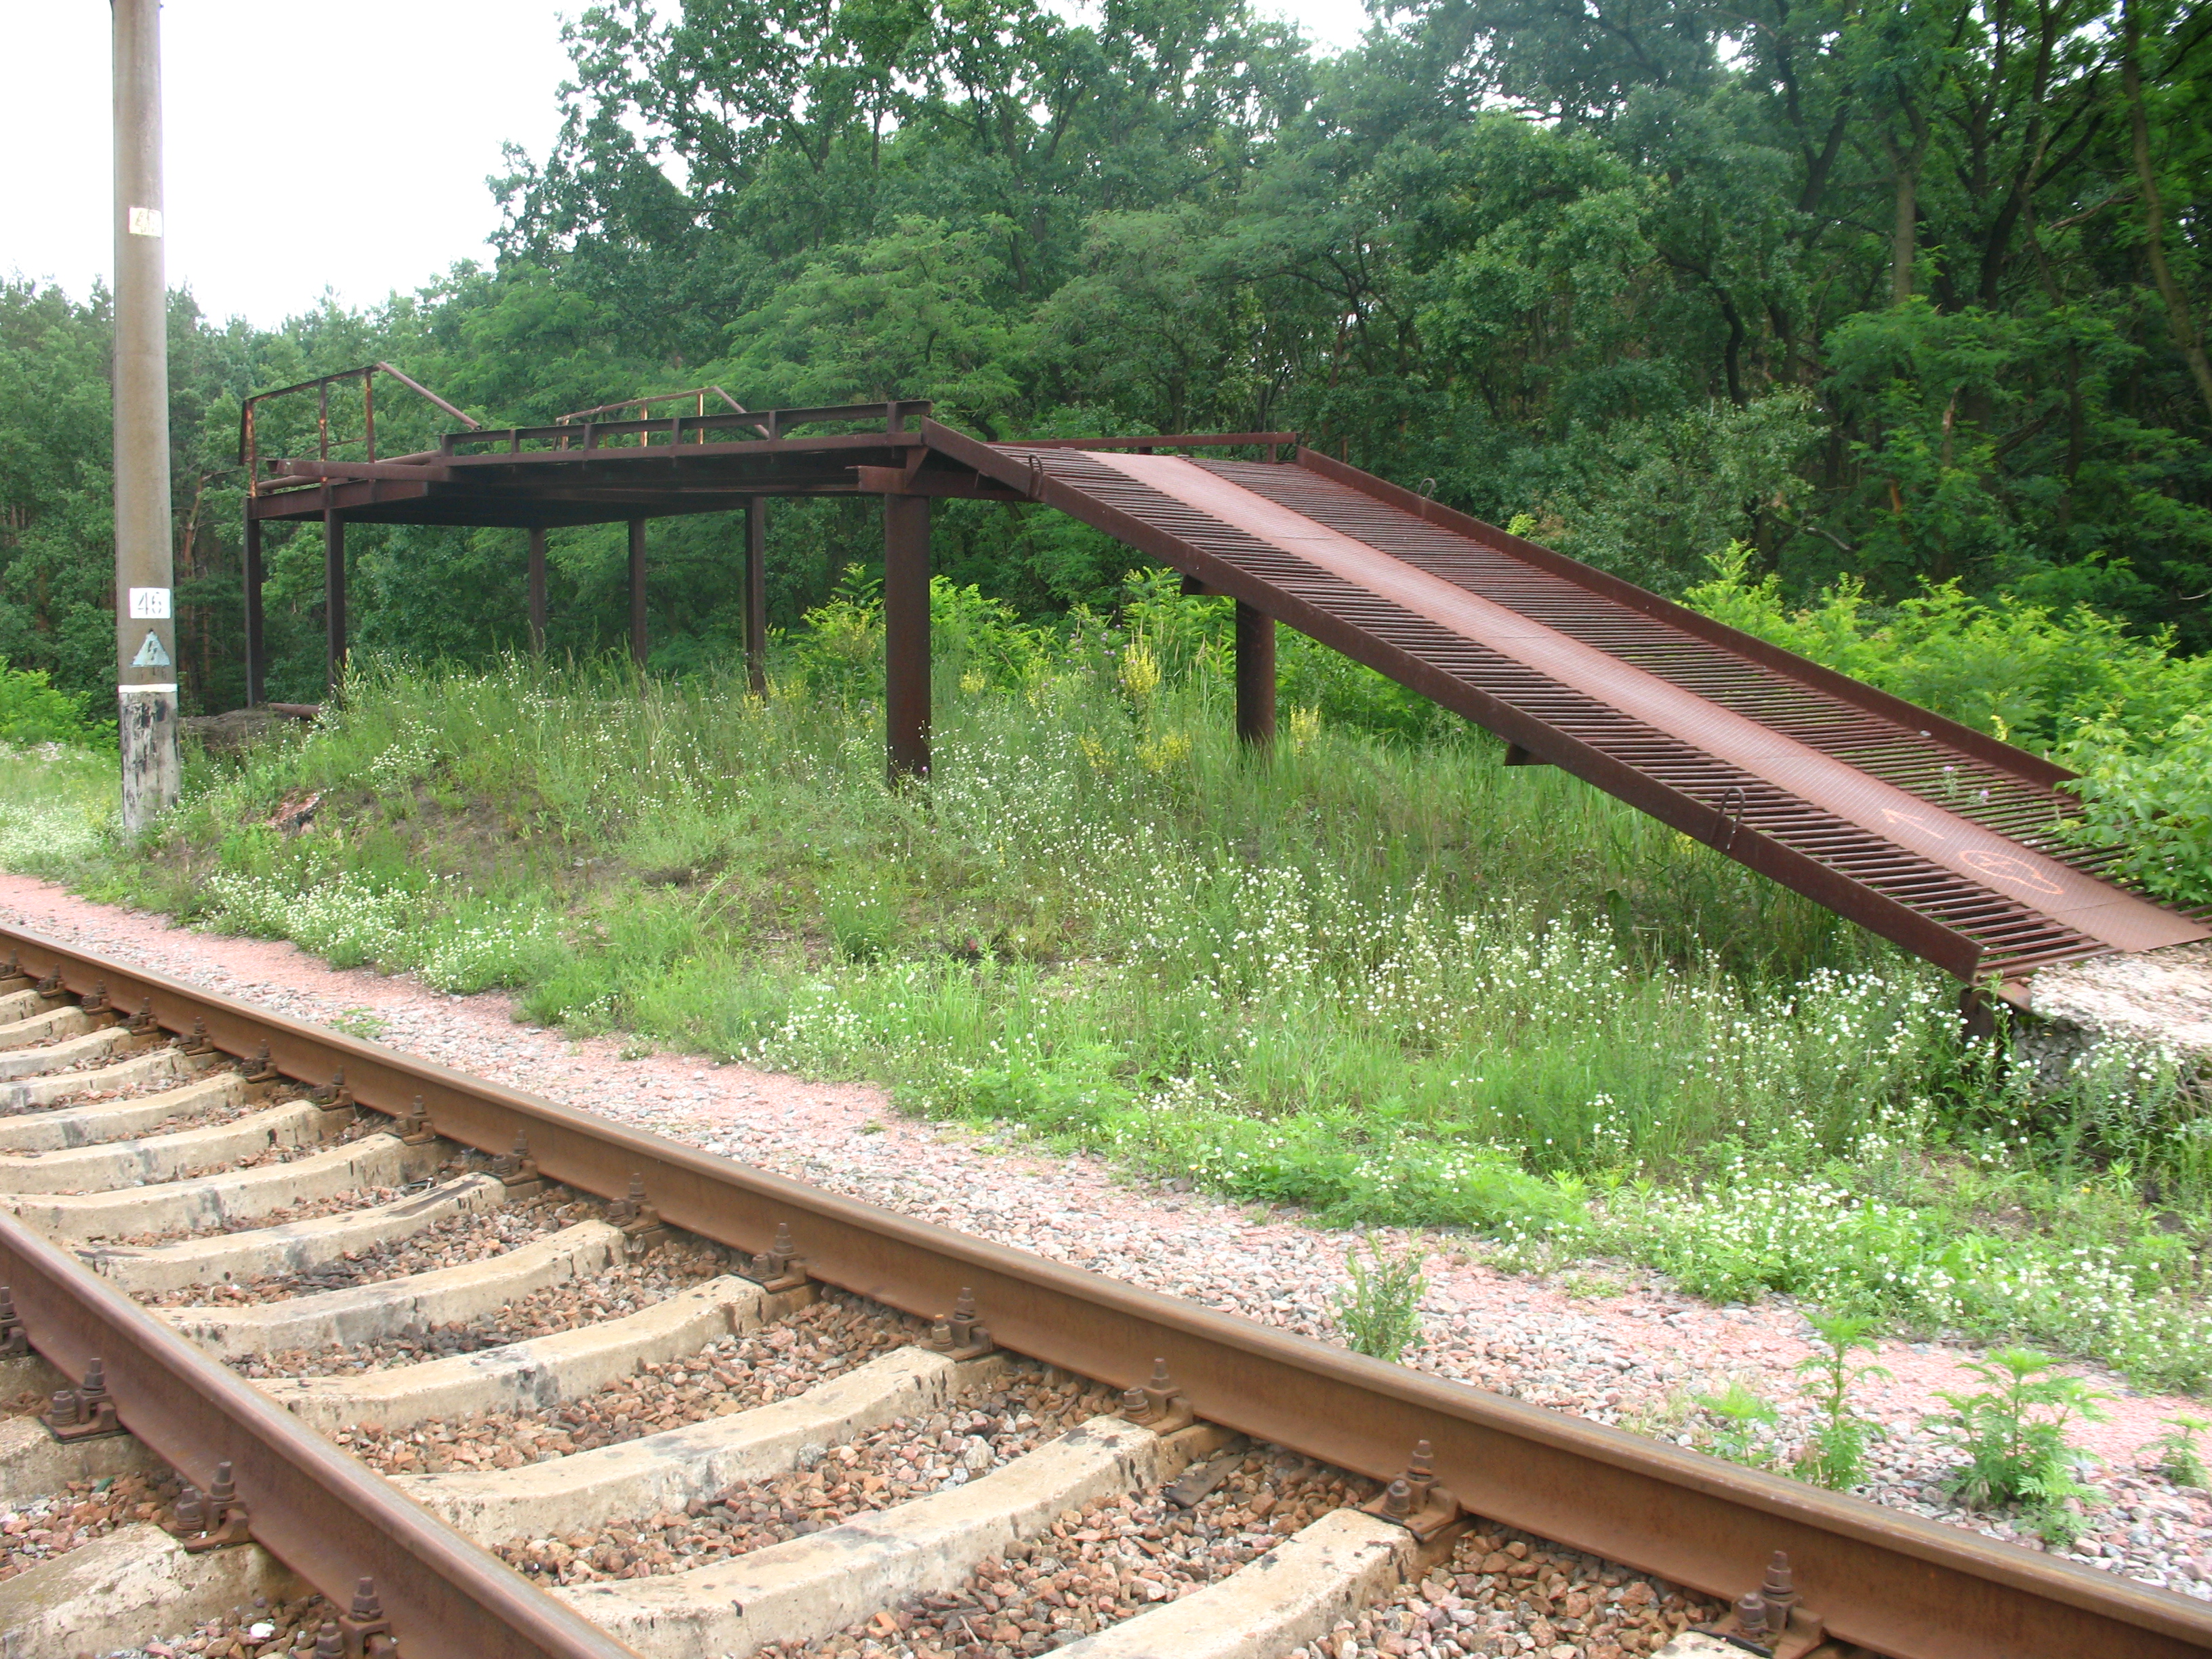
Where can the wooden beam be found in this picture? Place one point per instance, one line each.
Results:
(1255, 676)
(334, 597)
(256, 638)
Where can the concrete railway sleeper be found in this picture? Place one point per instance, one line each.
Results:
(555, 1387)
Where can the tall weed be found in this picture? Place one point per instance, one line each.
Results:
(1379, 975)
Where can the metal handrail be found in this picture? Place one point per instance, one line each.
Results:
(577, 430)
(697, 391)
(248, 454)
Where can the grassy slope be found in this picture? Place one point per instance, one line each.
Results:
(1390, 981)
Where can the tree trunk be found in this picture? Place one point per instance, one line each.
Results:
(2180, 316)
(1905, 169)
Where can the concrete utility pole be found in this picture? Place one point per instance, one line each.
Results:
(145, 625)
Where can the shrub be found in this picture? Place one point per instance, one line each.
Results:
(1835, 1457)
(2180, 1458)
(2121, 709)
(1738, 1425)
(33, 710)
(2013, 1435)
(2019, 671)
(2155, 800)
(1379, 1311)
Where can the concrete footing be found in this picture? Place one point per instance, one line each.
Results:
(545, 1372)
(174, 1156)
(291, 1246)
(807, 1587)
(667, 1471)
(117, 1119)
(132, 1587)
(1294, 1593)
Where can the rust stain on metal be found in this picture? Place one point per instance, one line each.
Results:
(2094, 908)
(1939, 837)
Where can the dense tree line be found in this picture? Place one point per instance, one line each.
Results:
(1910, 289)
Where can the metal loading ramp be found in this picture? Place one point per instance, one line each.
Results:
(1932, 834)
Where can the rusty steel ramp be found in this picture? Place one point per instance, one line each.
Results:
(1932, 834)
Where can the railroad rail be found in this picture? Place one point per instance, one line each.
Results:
(1885, 1582)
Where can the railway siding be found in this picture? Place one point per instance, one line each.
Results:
(1194, 1381)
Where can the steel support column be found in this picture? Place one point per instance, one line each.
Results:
(637, 640)
(1255, 676)
(906, 636)
(257, 641)
(537, 589)
(757, 594)
(334, 597)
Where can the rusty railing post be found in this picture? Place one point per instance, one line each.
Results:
(757, 594)
(637, 636)
(334, 596)
(1255, 676)
(906, 636)
(537, 589)
(256, 647)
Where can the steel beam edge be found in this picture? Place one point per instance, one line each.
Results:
(2020, 763)
(327, 1517)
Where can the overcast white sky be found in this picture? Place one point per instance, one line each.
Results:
(399, 108)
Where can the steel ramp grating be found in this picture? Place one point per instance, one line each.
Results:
(1957, 856)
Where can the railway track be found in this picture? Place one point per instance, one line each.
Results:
(319, 1349)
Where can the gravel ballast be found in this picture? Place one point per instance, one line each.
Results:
(731, 1374)
(904, 1460)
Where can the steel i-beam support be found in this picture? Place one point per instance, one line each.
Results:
(637, 640)
(256, 638)
(757, 594)
(537, 589)
(334, 597)
(906, 636)
(1255, 676)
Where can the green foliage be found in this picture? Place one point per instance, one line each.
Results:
(1379, 1307)
(2124, 710)
(2033, 675)
(2014, 1439)
(2150, 791)
(1871, 291)
(1738, 1425)
(1835, 1457)
(2180, 1456)
(1391, 983)
(32, 710)
(58, 810)
(842, 651)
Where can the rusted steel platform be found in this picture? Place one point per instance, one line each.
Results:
(1936, 835)
(584, 471)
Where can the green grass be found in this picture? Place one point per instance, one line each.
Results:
(1382, 976)
(58, 809)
